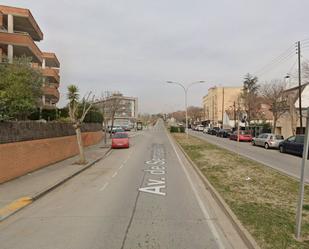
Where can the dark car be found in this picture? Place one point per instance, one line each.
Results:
(293, 145)
(224, 133)
(213, 131)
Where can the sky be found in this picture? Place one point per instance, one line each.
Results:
(135, 46)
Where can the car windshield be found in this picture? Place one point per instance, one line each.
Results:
(120, 135)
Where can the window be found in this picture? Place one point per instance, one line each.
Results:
(291, 139)
(120, 135)
(299, 139)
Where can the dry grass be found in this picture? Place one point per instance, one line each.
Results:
(263, 199)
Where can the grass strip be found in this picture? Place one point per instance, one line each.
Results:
(263, 199)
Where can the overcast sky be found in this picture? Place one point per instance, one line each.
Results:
(134, 46)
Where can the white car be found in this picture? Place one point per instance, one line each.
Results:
(206, 130)
(200, 128)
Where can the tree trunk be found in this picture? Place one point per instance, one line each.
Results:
(82, 159)
(105, 131)
(274, 125)
(112, 126)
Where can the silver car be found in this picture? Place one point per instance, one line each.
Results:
(268, 140)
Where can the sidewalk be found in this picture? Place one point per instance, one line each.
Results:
(20, 192)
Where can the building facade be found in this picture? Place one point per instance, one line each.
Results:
(217, 101)
(289, 123)
(125, 108)
(19, 33)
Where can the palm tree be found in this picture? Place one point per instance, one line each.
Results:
(77, 117)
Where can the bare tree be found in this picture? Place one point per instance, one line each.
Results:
(113, 105)
(103, 109)
(273, 93)
(77, 112)
(195, 113)
(180, 116)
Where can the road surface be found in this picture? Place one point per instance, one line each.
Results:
(147, 196)
(288, 164)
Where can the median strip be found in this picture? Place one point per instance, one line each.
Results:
(261, 198)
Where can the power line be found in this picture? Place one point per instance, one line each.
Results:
(283, 56)
(268, 68)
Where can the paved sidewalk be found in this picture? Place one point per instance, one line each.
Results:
(21, 191)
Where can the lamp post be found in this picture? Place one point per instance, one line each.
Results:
(186, 96)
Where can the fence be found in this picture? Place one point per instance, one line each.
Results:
(31, 130)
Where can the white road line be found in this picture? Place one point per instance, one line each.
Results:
(116, 173)
(199, 200)
(121, 166)
(104, 186)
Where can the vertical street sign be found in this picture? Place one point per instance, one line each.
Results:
(302, 180)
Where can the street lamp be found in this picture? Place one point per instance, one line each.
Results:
(186, 95)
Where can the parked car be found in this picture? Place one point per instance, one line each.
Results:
(213, 131)
(206, 130)
(200, 128)
(120, 140)
(244, 136)
(293, 145)
(116, 130)
(268, 140)
(126, 128)
(224, 133)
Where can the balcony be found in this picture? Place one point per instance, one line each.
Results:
(51, 59)
(22, 45)
(23, 21)
(52, 74)
(51, 93)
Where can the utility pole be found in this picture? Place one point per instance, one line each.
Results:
(222, 105)
(299, 88)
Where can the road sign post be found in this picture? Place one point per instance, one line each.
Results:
(302, 180)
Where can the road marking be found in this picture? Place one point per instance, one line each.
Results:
(199, 200)
(104, 186)
(155, 168)
(116, 173)
(14, 206)
(121, 166)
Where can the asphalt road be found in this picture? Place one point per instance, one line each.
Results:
(147, 196)
(288, 164)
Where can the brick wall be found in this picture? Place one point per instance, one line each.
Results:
(17, 159)
(30, 130)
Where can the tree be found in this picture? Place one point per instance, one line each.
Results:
(77, 112)
(113, 104)
(195, 113)
(109, 105)
(273, 93)
(249, 96)
(20, 89)
(180, 116)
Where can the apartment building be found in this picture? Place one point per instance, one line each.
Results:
(126, 108)
(19, 33)
(217, 101)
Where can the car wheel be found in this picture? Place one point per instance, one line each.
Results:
(281, 149)
(266, 146)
